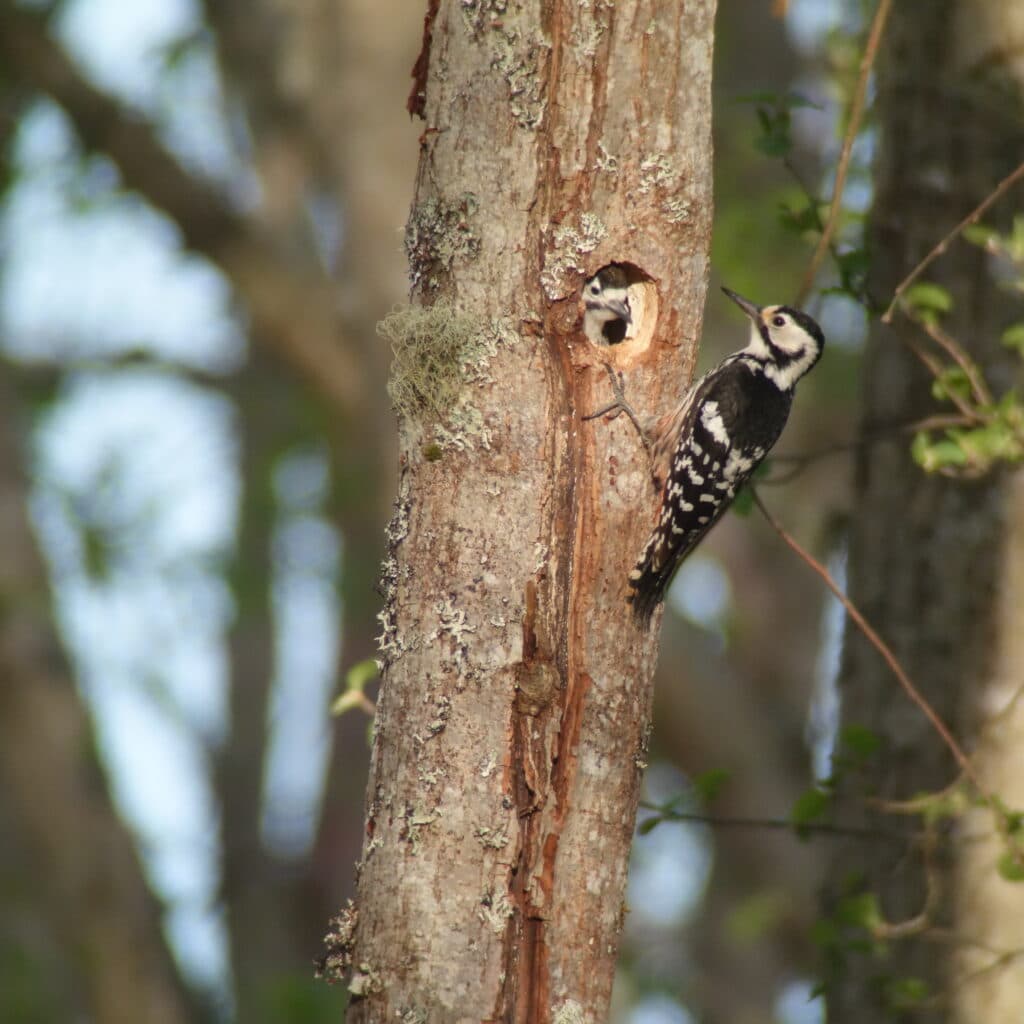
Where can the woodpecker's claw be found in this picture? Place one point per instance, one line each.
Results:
(620, 405)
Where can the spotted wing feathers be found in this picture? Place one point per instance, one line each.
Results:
(702, 475)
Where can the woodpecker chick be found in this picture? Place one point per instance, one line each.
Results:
(704, 450)
(606, 315)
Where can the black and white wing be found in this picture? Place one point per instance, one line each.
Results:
(711, 458)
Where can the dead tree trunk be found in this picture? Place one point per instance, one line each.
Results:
(511, 726)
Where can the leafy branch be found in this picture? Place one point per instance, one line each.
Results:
(852, 130)
(971, 219)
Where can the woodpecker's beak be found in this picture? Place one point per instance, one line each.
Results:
(746, 305)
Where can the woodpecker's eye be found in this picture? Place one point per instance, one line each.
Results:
(779, 321)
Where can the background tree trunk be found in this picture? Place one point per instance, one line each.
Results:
(512, 721)
(113, 965)
(930, 558)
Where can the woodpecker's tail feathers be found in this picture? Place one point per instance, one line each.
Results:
(648, 591)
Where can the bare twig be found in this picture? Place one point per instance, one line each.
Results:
(982, 395)
(797, 462)
(781, 824)
(934, 367)
(1008, 182)
(885, 651)
(921, 921)
(856, 115)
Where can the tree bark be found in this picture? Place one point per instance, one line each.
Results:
(929, 557)
(512, 722)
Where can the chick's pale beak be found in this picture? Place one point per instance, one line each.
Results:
(621, 310)
(748, 307)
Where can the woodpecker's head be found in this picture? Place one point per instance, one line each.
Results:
(606, 306)
(786, 339)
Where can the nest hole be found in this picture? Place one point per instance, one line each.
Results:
(643, 306)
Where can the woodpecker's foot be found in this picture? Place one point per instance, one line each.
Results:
(620, 405)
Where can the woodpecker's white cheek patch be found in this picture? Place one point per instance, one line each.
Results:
(712, 420)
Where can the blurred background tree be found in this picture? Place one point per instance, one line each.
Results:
(201, 226)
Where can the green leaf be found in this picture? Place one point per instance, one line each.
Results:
(932, 456)
(1013, 337)
(346, 702)
(1014, 243)
(811, 806)
(859, 740)
(800, 219)
(780, 101)
(854, 262)
(825, 933)
(952, 382)
(979, 234)
(758, 915)
(743, 503)
(925, 296)
(775, 139)
(904, 993)
(708, 784)
(648, 825)
(360, 674)
(356, 678)
(860, 910)
(1011, 865)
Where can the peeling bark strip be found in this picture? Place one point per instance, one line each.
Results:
(511, 724)
(416, 104)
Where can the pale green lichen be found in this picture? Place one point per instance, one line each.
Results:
(518, 61)
(492, 838)
(439, 354)
(480, 15)
(495, 912)
(439, 232)
(587, 31)
(365, 981)
(413, 822)
(513, 55)
(430, 777)
(442, 712)
(434, 349)
(569, 245)
(339, 940)
(570, 1012)
(659, 173)
(389, 642)
(605, 161)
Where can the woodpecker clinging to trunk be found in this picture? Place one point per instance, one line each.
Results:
(705, 449)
